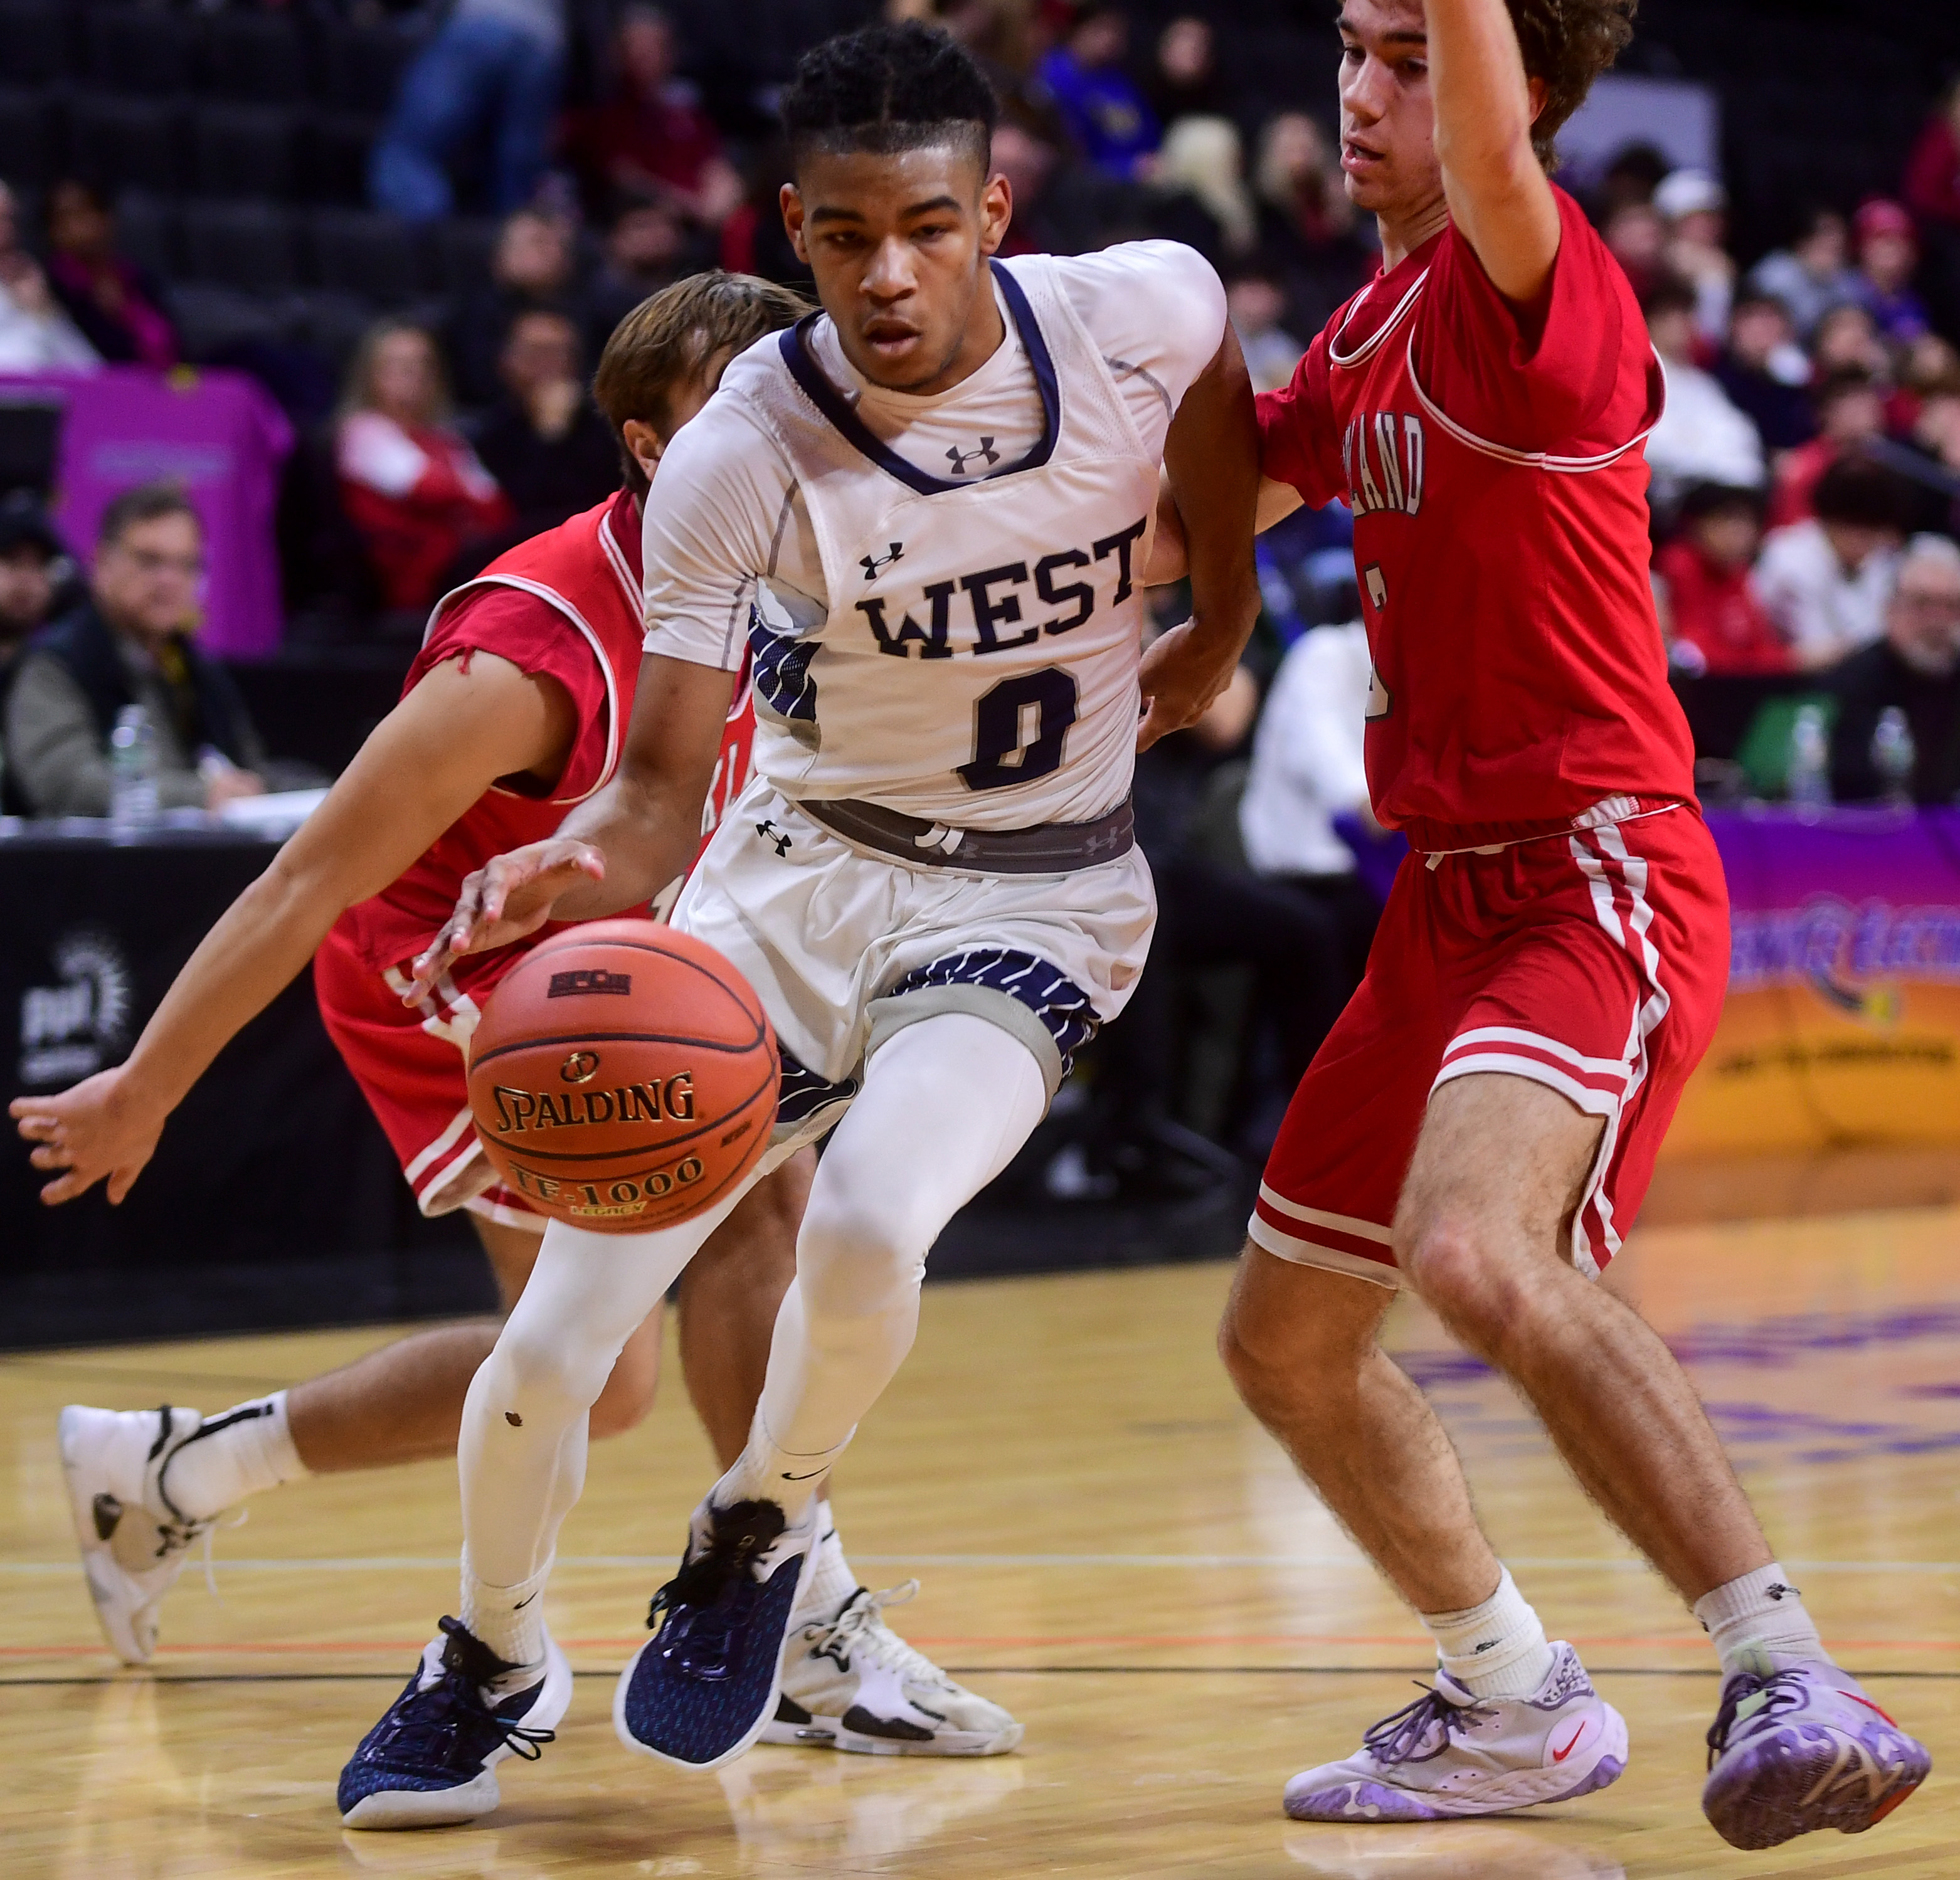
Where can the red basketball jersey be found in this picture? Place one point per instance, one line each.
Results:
(1493, 457)
(567, 604)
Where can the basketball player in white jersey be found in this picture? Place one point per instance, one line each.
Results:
(926, 514)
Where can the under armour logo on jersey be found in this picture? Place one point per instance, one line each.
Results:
(872, 564)
(959, 459)
(770, 833)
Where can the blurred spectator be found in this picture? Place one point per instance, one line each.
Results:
(753, 240)
(130, 644)
(1850, 411)
(1306, 769)
(651, 140)
(36, 332)
(1202, 156)
(1109, 118)
(1633, 177)
(1929, 456)
(1696, 208)
(533, 266)
(491, 74)
(1255, 303)
(1637, 237)
(32, 563)
(410, 484)
(1027, 161)
(115, 303)
(1846, 339)
(643, 255)
(1887, 258)
(1932, 175)
(1914, 670)
(1765, 372)
(1716, 625)
(1701, 437)
(1813, 275)
(1308, 232)
(1932, 194)
(1825, 581)
(1185, 82)
(544, 441)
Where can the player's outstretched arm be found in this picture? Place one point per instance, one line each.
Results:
(1212, 461)
(617, 850)
(1485, 107)
(455, 734)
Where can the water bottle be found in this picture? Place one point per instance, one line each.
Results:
(1894, 756)
(1809, 774)
(133, 765)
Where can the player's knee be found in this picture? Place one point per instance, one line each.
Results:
(856, 1256)
(542, 1378)
(1456, 1264)
(629, 1390)
(1283, 1363)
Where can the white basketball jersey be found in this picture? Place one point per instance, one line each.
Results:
(978, 666)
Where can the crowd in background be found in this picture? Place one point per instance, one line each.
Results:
(1805, 475)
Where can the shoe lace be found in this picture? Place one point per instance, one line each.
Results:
(861, 1628)
(1400, 1738)
(449, 1722)
(699, 1612)
(1750, 1696)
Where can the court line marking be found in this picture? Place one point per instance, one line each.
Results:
(666, 1562)
(960, 1671)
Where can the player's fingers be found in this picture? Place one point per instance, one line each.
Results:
(120, 1184)
(38, 1127)
(66, 1189)
(53, 1156)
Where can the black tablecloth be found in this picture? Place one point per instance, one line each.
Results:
(274, 1163)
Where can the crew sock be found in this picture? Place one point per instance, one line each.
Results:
(1760, 1609)
(828, 1579)
(511, 1620)
(1496, 1649)
(241, 1452)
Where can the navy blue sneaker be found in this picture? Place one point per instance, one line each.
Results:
(700, 1690)
(431, 1761)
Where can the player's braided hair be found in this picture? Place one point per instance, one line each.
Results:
(1568, 43)
(885, 88)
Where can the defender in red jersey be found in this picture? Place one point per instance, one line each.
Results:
(1481, 1124)
(515, 710)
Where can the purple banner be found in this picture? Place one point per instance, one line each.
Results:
(217, 433)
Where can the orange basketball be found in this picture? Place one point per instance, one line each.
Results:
(623, 1076)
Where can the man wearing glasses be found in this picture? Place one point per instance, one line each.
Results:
(130, 643)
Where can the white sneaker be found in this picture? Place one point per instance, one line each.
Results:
(1450, 1754)
(134, 1543)
(852, 1683)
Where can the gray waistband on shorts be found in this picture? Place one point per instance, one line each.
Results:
(1049, 848)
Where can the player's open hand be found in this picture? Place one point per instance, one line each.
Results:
(509, 897)
(101, 1128)
(1183, 673)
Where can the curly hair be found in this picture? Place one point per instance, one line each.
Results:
(1567, 44)
(888, 87)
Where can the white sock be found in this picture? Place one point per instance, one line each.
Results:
(1494, 1650)
(828, 1579)
(766, 1471)
(242, 1452)
(1762, 1609)
(509, 1620)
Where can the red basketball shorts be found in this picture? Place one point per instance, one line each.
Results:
(1593, 962)
(410, 1065)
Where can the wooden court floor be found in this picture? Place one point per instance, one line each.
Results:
(1130, 1565)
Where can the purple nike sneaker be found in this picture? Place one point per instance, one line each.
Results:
(1450, 1754)
(1795, 1746)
